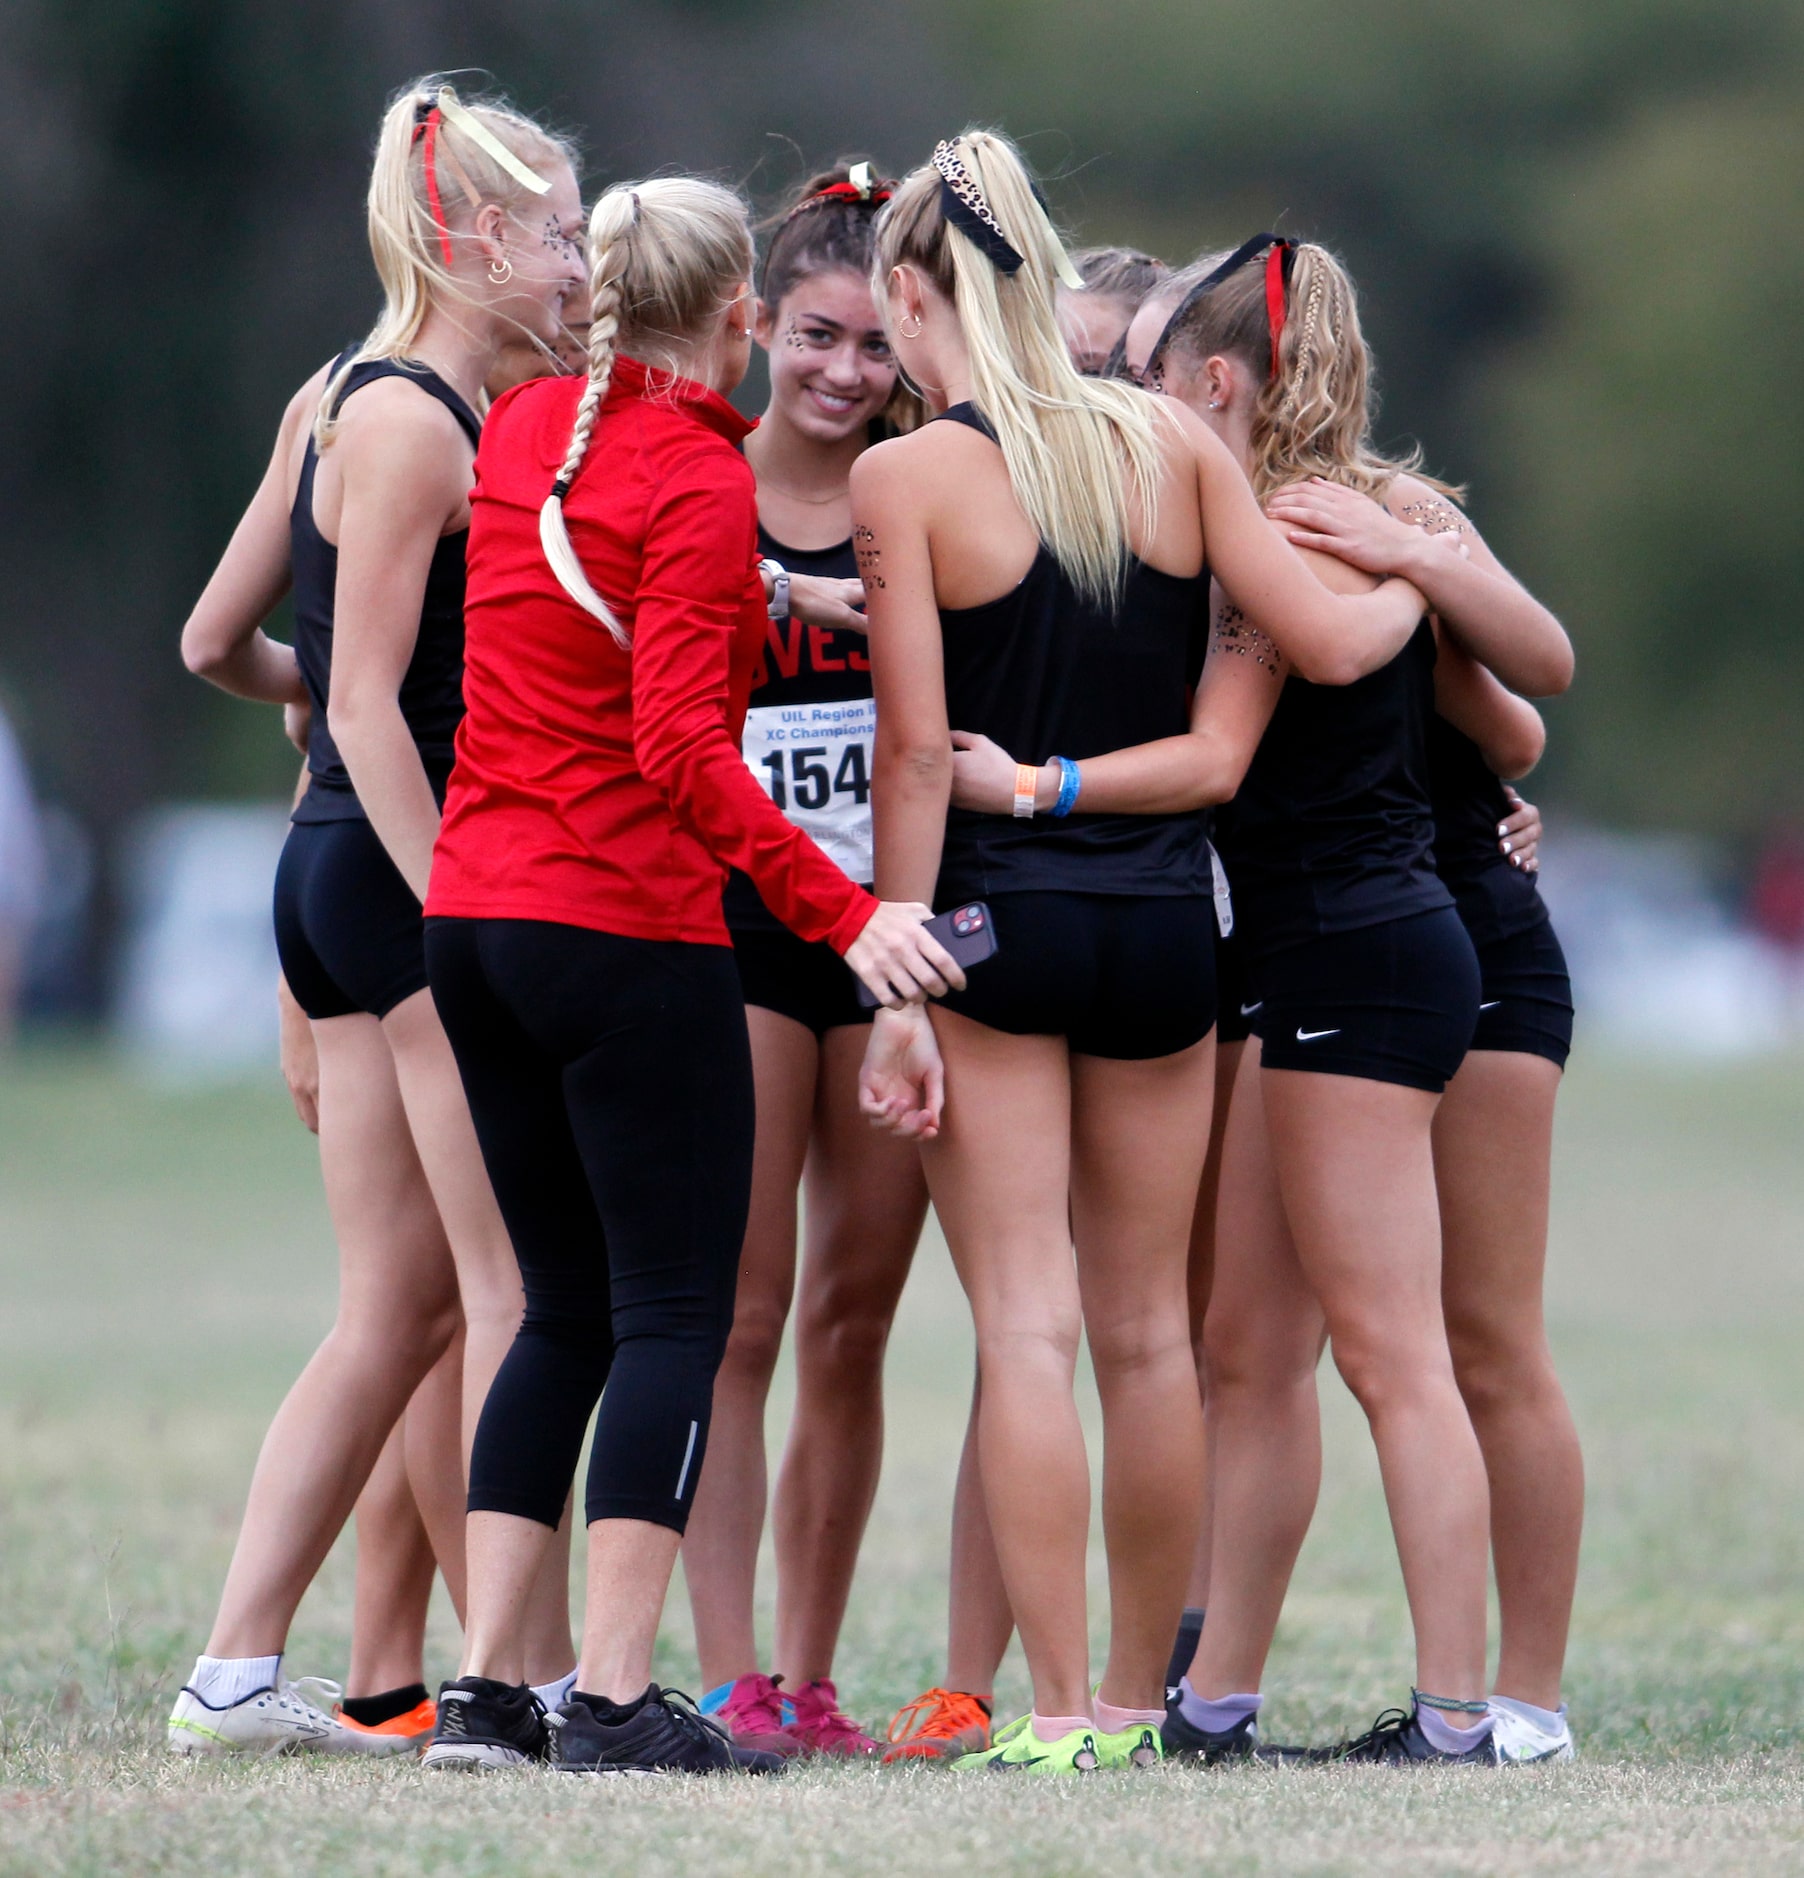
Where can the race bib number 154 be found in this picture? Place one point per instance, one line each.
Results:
(814, 761)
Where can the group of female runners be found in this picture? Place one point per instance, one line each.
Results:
(1067, 588)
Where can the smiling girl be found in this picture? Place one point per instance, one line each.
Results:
(808, 738)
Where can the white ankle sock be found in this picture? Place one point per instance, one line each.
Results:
(551, 1694)
(1051, 1728)
(1218, 1716)
(220, 1681)
(1439, 1731)
(1551, 1719)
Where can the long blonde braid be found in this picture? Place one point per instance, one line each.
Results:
(610, 229)
(666, 261)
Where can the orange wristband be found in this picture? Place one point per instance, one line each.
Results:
(1027, 782)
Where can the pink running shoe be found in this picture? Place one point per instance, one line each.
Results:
(753, 1715)
(818, 1726)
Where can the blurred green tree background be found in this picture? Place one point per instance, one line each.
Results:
(1577, 230)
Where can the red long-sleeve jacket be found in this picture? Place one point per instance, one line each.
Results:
(603, 787)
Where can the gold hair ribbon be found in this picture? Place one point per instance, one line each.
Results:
(479, 133)
(1062, 264)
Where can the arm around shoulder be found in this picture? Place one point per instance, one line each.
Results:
(1328, 637)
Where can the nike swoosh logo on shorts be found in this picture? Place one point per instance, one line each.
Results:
(1313, 1036)
(1247, 1010)
(1492, 1005)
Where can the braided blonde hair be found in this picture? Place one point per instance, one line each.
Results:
(405, 238)
(1314, 416)
(665, 260)
(1082, 453)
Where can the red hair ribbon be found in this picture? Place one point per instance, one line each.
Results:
(430, 129)
(847, 192)
(1274, 294)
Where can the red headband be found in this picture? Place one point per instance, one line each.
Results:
(430, 129)
(1274, 295)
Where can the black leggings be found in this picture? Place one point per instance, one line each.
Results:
(610, 1081)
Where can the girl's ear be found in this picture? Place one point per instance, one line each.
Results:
(1218, 380)
(491, 231)
(764, 324)
(742, 311)
(905, 294)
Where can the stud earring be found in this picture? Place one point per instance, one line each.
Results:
(501, 271)
(908, 332)
(1215, 404)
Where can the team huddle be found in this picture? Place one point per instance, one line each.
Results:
(1050, 766)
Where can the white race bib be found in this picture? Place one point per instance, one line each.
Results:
(814, 761)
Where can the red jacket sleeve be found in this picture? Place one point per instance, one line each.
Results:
(692, 594)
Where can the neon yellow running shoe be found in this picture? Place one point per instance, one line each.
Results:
(1134, 1747)
(1020, 1751)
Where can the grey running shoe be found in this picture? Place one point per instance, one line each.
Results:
(484, 1724)
(1396, 1739)
(1184, 1741)
(665, 1734)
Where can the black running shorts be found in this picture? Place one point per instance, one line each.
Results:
(1525, 1003)
(349, 932)
(797, 978)
(1115, 975)
(1396, 1002)
(1236, 1002)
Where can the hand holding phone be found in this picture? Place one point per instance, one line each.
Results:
(967, 932)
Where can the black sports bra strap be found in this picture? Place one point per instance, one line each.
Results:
(366, 371)
(970, 416)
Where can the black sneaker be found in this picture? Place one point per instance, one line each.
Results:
(1184, 1741)
(665, 1734)
(1396, 1739)
(482, 1724)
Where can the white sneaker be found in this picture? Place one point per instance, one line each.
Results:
(287, 1719)
(1521, 1739)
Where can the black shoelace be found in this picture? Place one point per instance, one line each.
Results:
(1376, 1744)
(685, 1712)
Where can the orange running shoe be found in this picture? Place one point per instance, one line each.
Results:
(415, 1726)
(939, 1726)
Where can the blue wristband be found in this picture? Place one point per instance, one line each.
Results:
(1069, 784)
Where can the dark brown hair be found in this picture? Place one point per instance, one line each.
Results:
(816, 233)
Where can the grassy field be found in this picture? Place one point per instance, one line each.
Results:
(165, 1267)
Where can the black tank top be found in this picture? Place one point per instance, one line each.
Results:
(432, 701)
(808, 732)
(1332, 829)
(1047, 673)
(1495, 900)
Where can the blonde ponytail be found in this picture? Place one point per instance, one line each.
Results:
(665, 260)
(419, 209)
(1083, 454)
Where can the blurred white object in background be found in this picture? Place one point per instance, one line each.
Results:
(197, 987)
(1658, 965)
(21, 873)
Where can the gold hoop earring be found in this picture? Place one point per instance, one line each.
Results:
(904, 329)
(501, 271)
